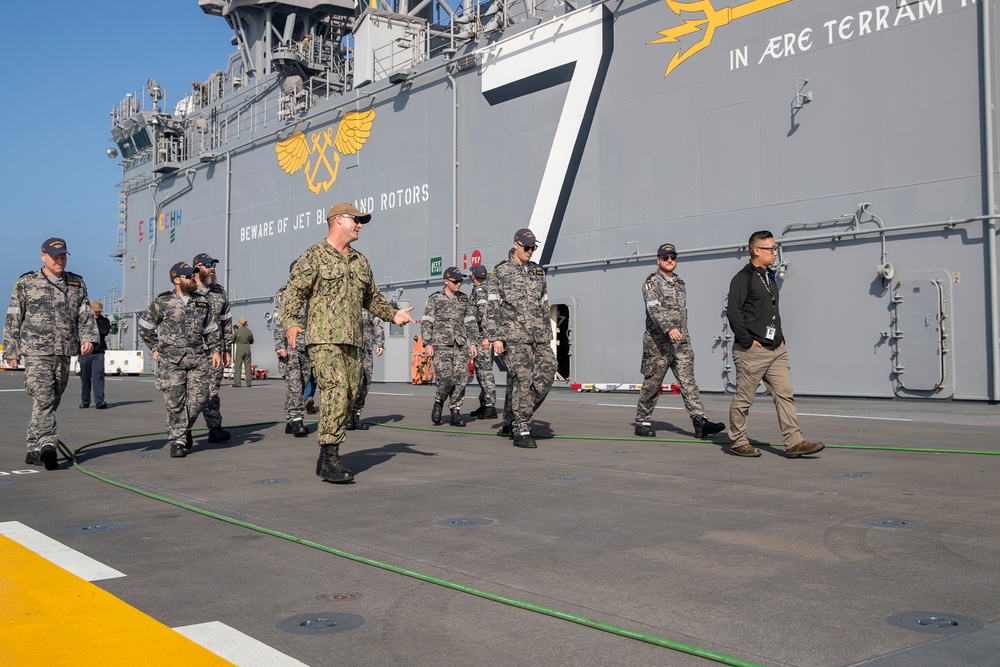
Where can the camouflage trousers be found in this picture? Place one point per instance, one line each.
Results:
(45, 380)
(451, 366)
(484, 375)
(185, 387)
(295, 368)
(657, 357)
(531, 370)
(508, 402)
(213, 406)
(337, 369)
(367, 368)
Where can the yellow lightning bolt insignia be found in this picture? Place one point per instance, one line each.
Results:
(714, 19)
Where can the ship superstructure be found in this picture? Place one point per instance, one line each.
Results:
(861, 134)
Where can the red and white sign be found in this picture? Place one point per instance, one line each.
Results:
(477, 258)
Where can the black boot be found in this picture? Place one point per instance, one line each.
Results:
(177, 450)
(478, 412)
(525, 441)
(349, 425)
(188, 439)
(297, 428)
(506, 431)
(358, 424)
(644, 430)
(456, 418)
(48, 456)
(436, 413)
(489, 412)
(332, 469)
(218, 434)
(704, 428)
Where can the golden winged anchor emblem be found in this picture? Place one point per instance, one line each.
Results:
(296, 152)
(714, 19)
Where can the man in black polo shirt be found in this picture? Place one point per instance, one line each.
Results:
(759, 351)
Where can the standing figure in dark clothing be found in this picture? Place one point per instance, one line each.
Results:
(92, 365)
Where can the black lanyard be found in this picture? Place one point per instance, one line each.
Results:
(767, 286)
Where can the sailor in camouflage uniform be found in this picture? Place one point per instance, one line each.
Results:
(483, 363)
(209, 287)
(182, 330)
(667, 344)
(519, 328)
(373, 345)
(294, 366)
(507, 427)
(48, 320)
(336, 283)
(449, 333)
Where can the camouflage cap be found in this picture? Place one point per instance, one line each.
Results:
(478, 271)
(54, 247)
(204, 259)
(666, 249)
(524, 236)
(345, 208)
(453, 273)
(181, 270)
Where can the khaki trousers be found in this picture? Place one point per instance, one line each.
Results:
(754, 365)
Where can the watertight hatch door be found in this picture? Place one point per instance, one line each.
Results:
(919, 334)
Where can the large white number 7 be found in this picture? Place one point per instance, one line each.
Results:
(577, 38)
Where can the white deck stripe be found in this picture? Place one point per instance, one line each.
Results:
(20, 390)
(236, 647)
(68, 559)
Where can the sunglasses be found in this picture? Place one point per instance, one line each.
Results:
(454, 280)
(528, 248)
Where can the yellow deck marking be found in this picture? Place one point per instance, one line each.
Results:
(51, 617)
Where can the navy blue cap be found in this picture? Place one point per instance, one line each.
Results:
(204, 259)
(453, 273)
(54, 247)
(478, 271)
(524, 236)
(666, 249)
(181, 270)
(292, 265)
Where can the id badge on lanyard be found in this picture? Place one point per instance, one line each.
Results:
(771, 330)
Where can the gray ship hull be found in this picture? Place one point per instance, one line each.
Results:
(864, 151)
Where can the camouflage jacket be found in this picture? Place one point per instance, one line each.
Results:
(449, 320)
(666, 305)
(177, 327)
(374, 333)
(280, 342)
(220, 305)
(337, 289)
(518, 309)
(48, 316)
(479, 297)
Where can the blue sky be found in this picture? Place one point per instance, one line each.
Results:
(64, 69)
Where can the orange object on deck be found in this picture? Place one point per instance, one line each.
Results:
(421, 370)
